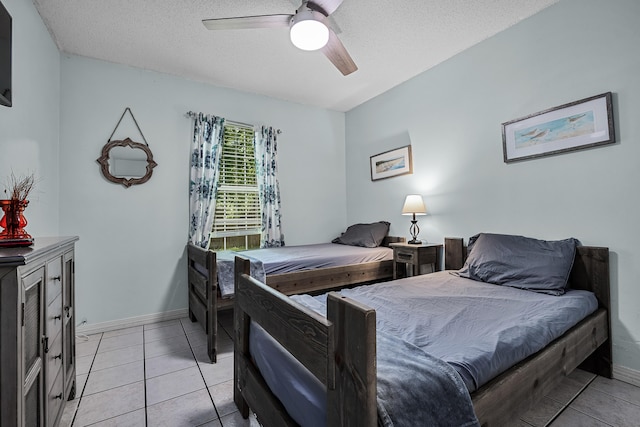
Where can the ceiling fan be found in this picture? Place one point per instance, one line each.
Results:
(308, 30)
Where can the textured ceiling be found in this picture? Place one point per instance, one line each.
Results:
(390, 41)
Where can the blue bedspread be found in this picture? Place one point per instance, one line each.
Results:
(225, 261)
(415, 388)
(287, 259)
(480, 329)
(433, 331)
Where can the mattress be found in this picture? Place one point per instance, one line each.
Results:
(479, 329)
(287, 259)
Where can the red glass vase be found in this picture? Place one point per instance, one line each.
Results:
(13, 223)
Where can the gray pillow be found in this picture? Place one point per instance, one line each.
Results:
(521, 262)
(367, 235)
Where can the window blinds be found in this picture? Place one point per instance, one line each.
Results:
(237, 204)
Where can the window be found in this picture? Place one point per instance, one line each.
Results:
(236, 224)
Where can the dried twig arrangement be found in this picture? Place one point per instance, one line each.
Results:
(19, 188)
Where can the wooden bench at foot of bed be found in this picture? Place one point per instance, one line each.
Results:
(340, 350)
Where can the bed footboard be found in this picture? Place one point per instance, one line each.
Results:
(517, 390)
(339, 350)
(203, 290)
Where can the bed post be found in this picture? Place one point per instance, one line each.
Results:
(353, 400)
(591, 272)
(454, 253)
(241, 338)
(212, 309)
(202, 279)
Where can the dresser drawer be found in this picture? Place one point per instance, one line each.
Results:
(54, 318)
(55, 399)
(401, 255)
(54, 278)
(54, 359)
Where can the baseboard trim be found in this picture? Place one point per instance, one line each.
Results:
(627, 375)
(129, 322)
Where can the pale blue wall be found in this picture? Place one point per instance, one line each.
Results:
(130, 257)
(452, 116)
(29, 130)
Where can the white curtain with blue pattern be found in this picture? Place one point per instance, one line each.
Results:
(266, 148)
(206, 148)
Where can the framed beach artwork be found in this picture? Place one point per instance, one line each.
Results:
(569, 127)
(391, 163)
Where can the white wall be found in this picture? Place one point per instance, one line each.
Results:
(131, 257)
(29, 130)
(452, 116)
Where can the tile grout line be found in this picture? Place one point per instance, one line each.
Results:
(191, 349)
(75, 414)
(91, 369)
(201, 374)
(144, 376)
(566, 405)
(596, 418)
(617, 397)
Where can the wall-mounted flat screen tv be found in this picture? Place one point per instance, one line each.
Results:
(5, 57)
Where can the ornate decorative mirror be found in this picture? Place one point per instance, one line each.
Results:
(126, 162)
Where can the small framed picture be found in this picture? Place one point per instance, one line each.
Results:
(391, 163)
(569, 127)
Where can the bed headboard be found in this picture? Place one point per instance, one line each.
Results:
(392, 239)
(590, 272)
(590, 268)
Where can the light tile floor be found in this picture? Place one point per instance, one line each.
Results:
(154, 375)
(159, 375)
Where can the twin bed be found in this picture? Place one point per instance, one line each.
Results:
(369, 361)
(360, 255)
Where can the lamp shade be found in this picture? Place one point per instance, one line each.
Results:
(308, 30)
(414, 204)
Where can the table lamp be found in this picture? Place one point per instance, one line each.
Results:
(414, 205)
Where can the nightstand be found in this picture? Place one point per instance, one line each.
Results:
(408, 259)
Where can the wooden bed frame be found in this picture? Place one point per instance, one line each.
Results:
(340, 350)
(205, 299)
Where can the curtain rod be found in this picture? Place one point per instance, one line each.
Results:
(193, 114)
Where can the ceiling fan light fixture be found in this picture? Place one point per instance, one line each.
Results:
(308, 30)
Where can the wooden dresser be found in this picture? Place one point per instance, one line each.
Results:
(37, 332)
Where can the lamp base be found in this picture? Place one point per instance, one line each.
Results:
(414, 230)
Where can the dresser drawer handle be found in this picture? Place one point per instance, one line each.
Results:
(59, 396)
(57, 317)
(58, 357)
(58, 278)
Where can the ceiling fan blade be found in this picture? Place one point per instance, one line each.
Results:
(338, 55)
(327, 6)
(248, 22)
